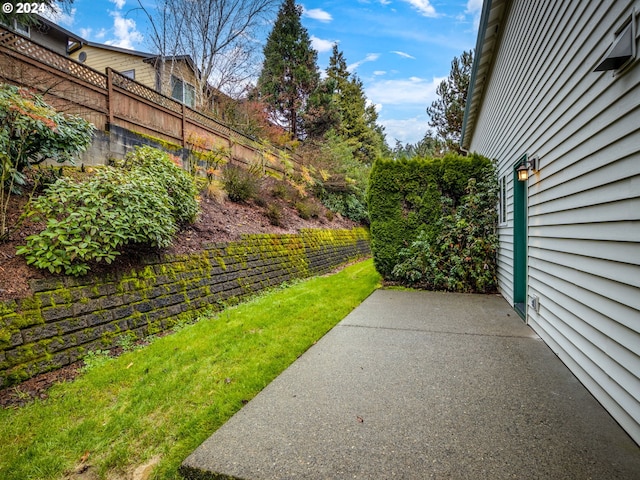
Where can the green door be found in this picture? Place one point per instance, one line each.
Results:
(519, 242)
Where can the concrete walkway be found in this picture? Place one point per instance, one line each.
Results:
(419, 385)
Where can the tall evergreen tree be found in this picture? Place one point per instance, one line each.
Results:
(447, 112)
(321, 114)
(290, 72)
(357, 118)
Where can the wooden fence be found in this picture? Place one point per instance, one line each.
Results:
(110, 98)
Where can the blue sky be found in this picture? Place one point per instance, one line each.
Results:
(400, 49)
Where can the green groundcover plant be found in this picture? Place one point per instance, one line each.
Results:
(141, 201)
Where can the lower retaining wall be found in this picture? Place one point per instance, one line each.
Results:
(67, 317)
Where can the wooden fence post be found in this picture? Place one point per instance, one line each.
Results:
(109, 98)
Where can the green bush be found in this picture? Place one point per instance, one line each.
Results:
(407, 197)
(462, 257)
(307, 209)
(178, 184)
(30, 132)
(348, 205)
(241, 185)
(274, 214)
(91, 221)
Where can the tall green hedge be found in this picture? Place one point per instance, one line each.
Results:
(408, 200)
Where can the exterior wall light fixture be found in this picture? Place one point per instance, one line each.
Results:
(525, 166)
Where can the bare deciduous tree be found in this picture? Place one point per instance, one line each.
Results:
(219, 35)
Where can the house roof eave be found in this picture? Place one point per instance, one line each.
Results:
(489, 33)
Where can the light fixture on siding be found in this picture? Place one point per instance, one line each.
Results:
(525, 166)
(622, 50)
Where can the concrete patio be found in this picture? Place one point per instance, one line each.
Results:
(420, 385)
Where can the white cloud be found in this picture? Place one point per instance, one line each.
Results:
(424, 7)
(410, 91)
(371, 57)
(403, 54)
(321, 45)
(118, 3)
(318, 14)
(404, 103)
(408, 130)
(125, 32)
(379, 73)
(58, 16)
(474, 7)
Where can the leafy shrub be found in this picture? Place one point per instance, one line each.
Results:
(407, 197)
(91, 221)
(348, 205)
(307, 210)
(178, 184)
(241, 185)
(462, 257)
(280, 190)
(30, 132)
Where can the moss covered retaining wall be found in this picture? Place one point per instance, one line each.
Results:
(66, 317)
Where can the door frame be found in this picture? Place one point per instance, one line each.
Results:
(520, 241)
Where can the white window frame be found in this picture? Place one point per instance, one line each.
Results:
(186, 93)
(502, 201)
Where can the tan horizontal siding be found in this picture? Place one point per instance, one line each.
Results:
(100, 59)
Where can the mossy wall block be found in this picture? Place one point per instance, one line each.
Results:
(103, 316)
(40, 332)
(85, 305)
(120, 312)
(46, 284)
(52, 314)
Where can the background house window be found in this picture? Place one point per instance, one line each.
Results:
(502, 207)
(130, 74)
(22, 28)
(183, 92)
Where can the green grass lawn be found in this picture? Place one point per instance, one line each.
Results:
(164, 400)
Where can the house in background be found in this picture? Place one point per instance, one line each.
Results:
(175, 77)
(555, 100)
(47, 33)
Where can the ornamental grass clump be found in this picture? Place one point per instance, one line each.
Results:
(143, 201)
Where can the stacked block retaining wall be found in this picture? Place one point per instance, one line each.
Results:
(67, 317)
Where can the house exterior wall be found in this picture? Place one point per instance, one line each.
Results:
(179, 69)
(145, 71)
(100, 59)
(542, 98)
(50, 38)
